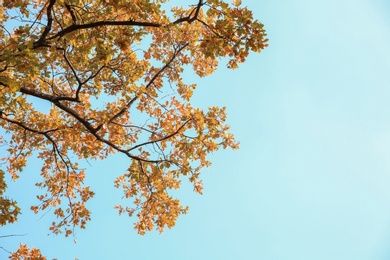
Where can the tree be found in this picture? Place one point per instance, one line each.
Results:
(112, 72)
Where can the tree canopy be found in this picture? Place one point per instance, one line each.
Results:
(112, 72)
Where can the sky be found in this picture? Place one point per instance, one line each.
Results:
(312, 177)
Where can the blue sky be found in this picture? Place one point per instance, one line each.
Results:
(311, 180)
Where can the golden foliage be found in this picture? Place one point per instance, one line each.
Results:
(23, 253)
(9, 210)
(112, 72)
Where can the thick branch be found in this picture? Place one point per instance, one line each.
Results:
(191, 18)
(45, 32)
(69, 8)
(83, 121)
(74, 27)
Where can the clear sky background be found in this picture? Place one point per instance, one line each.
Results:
(311, 180)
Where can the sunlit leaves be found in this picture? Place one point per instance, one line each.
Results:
(113, 75)
(24, 253)
(9, 210)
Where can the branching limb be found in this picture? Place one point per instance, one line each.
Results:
(163, 138)
(72, 14)
(150, 83)
(74, 27)
(191, 18)
(42, 39)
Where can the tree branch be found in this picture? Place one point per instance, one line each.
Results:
(74, 27)
(188, 18)
(69, 8)
(47, 29)
(128, 105)
(10, 120)
(83, 121)
(161, 139)
(13, 236)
